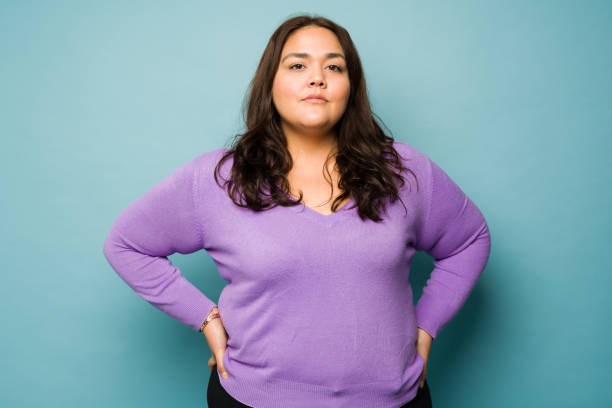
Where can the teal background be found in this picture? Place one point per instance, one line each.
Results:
(100, 100)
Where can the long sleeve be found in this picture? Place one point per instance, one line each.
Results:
(159, 223)
(456, 235)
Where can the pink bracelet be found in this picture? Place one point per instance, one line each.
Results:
(208, 319)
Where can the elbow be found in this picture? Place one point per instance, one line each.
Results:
(115, 241)
(109, 248)
(485, 235)
(483, 245)
(113, 247)
(117, 257)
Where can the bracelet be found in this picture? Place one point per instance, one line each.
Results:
(208, 319)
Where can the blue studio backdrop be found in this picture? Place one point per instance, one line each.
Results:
(100, 100)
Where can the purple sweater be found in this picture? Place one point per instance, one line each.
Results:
(318, 308)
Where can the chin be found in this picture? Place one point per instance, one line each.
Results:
(316, 121)
(314, 125)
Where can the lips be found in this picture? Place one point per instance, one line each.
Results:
(315, 98)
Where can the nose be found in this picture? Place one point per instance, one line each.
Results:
(317, 78)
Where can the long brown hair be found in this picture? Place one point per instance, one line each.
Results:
(261, 160)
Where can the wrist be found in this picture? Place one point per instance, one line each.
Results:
(214, 314)
(423, 335)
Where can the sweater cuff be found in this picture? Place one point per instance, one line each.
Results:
(206, 316)
(429, 310)
(203, 311)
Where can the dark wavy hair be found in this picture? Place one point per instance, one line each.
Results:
(365, 156)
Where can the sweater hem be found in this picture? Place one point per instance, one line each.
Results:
(260, 392)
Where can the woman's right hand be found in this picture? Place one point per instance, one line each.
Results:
(216, 336)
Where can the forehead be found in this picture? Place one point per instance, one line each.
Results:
(314, 39)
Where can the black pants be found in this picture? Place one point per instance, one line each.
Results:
(217, 397)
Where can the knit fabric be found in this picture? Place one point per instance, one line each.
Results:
(318, 308)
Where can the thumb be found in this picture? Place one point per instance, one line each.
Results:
(224, 373)
(423, 377)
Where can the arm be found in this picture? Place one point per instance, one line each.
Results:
(160, 223)
(456, 235)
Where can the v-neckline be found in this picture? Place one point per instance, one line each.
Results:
(325, 219)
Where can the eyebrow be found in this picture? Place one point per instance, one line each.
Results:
(306, 55)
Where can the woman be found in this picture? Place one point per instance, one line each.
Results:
(314, 231)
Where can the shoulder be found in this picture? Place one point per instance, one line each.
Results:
(206, 162)
(210, 157)
(415, 160)
(205, 165)
(411, 157)
(406, 149)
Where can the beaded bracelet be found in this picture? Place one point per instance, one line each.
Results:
(208, 319)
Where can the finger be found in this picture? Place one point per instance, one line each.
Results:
(223, 372)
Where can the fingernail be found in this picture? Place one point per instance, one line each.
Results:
(225, 375)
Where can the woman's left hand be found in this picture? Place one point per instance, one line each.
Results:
(423, 346)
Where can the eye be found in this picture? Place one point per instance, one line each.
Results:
(335, 68)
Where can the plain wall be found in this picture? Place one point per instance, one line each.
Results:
(100, 100)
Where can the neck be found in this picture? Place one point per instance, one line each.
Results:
(310, 146)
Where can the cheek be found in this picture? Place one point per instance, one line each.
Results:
(283, 90)
(347, 90)
(343, 90)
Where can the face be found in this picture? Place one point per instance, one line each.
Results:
(320, 69)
